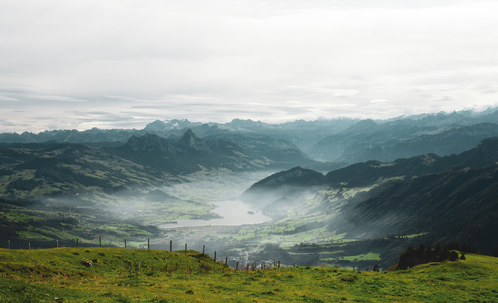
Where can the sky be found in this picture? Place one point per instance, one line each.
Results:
(70, 64)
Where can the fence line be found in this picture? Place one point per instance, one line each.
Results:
(252, 266)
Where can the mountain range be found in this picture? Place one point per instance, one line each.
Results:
(342, 140)
(44, 169)
(451, 198)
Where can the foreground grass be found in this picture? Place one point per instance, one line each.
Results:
(120, 275)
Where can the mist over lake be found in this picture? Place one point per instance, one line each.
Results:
(233, 212)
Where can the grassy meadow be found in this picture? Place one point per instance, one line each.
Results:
(139, 275)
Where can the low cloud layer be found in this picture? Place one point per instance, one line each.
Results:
(114, 64)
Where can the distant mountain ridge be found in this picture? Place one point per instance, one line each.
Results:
(188, 152)
(446, 142)
(150, 142)
(406, 137)
(335, 140)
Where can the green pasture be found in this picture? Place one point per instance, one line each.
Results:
(139, 275)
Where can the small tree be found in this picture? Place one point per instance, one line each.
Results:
(420, 251)
(376, 268)
(462, 257)
(436, 252)
(453, 255)
(428, 253)
(444, 254)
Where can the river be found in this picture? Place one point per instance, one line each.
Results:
(233, 212)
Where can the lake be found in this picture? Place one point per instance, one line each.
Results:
(234, 212)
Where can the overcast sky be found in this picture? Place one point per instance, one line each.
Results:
(121, 64)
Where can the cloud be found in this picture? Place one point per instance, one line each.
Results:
(378, 101)
(214, 60)
(126, 98)
(55, 98)
(490, 91)
(2, 98)
(444, 98)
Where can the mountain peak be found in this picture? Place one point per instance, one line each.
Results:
(191, 141)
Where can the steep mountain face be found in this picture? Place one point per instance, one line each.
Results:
(452, 141)
(295, 181)
(191, 142)
(455, 205)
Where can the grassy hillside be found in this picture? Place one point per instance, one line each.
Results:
(120, 275)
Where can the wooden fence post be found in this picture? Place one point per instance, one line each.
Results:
(203, 247)
(77, 242)
(8, 244)
(215, 256)
(185, 248)
(125, 242)
(278, 263)
(237, 267)
(56, 243)
(29, 245)
(148, 243)
(100, 241)
(170, 245)
(226, 261)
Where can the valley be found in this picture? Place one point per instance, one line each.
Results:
(162, 184)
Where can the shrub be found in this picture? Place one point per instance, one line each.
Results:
(453, 255)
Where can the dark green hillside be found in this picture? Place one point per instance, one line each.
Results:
(365, 174)
(458, 205)
(291, 182)
(286, 183)
(188, 155)
(124, 275)
(41, 170)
